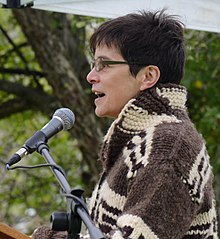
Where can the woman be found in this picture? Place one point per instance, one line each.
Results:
(156, 181)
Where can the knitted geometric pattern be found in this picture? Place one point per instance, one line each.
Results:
(157, 180)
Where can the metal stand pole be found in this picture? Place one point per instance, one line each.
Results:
(77, 212)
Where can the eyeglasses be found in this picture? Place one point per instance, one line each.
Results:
(100, 64)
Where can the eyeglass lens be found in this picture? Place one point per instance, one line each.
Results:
(98, 64)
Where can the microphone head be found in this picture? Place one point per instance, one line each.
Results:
(67, 117)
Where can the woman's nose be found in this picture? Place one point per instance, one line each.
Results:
(92, 76)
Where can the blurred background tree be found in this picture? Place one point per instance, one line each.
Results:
(202, 78)
(44, 59)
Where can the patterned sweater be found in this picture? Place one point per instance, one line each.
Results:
(157, 180)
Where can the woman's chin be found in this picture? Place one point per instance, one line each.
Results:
(102, 114)
(99, 113)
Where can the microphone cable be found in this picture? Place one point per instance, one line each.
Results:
(55, 166)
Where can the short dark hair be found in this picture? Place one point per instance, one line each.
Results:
(146, 38)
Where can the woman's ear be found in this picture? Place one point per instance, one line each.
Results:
(149, 76)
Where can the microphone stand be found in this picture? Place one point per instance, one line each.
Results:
(77, 212)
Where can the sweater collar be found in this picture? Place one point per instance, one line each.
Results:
(165, 101)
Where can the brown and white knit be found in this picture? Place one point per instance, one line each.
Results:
(157, 180)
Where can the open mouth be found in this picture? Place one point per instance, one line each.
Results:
(99, 94)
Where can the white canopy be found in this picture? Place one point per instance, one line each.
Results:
(196, 14)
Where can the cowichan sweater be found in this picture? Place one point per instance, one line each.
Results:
(157, 180)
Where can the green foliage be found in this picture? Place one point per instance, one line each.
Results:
(16, 53)
(202, 80)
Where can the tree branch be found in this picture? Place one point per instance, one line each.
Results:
(13, 106)
(21, 72)
(19, 53)
(13, 45)
(27, 98)
(7, 54)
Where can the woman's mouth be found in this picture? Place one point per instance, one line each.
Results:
(99, 94)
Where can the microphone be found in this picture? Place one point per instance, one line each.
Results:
(63, 119)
